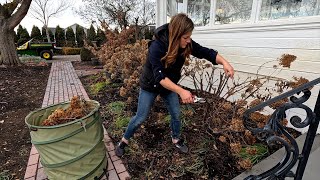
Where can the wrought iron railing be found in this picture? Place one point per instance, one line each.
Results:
(273, 131)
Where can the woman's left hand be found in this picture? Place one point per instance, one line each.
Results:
(228, 70)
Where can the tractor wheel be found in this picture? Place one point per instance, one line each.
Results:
(46, 54)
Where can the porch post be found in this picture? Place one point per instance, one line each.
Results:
(161, 12)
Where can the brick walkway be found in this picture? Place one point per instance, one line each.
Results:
(63, 84)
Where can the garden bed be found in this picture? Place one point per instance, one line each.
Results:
(22, 90)
(219, 145)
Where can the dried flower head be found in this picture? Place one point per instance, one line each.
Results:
(258, 117)
(249, 137)
(227, 106)
(236, 125)
(286, 60)
(241, 111)
(255, 103)
(298, 82)
(222, 139)
(235, 147)
(129, 100)
(251, 150)
(256, 82)
(123, 91)
(278, 103)
(245, 164)
(241, 103)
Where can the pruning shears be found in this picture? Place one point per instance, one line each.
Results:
(198, 99)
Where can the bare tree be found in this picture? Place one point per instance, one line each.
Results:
(43, 10)
(11, 14)
(112, 11)
(119, 12)
(145, 11)
(144, 15)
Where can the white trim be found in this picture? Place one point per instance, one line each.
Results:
(310, 22)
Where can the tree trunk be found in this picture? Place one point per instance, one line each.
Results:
(8, 21)
(137, 28)
(8, 52)
(47, 33)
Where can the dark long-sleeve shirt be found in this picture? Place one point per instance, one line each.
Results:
(154, 70)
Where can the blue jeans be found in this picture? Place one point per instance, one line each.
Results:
(145, 102)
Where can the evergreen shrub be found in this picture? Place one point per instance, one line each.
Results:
(71, 51)
(86, 54)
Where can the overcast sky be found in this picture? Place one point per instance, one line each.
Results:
(64, 20)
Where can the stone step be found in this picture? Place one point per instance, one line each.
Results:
(312, 168)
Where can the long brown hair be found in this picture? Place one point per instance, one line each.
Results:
(179, 25)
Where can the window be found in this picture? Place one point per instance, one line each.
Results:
(174, 7)
(199, 11)
(236, 11)
(241, 11)
(277, 9)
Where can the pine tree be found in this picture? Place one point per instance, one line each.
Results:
(101, 37)
(36, 34)
(51, 35)
(80, 36)
(15, 38)
(19, 31)
(91, 34)
(60, 37)
(23, 35)
(44, 34)
(70, 37)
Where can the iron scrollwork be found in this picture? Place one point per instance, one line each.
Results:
(274, 131)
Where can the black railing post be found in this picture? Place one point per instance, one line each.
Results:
(309, 141)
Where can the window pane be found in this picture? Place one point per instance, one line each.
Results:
(174, 7)
(179, 6)
(277, 9)
(199, 12)
(235, 11)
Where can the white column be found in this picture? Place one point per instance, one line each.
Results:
(317, 8)
(173, 7)
(255, 11)
(213, 7)
(161, 12)
(185, 6)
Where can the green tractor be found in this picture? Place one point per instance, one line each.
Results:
(43, 49)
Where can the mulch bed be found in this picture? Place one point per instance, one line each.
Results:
(151, 154)
(22, 90)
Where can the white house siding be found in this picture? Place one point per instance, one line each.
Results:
(249, 46)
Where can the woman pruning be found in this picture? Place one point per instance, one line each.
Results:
(162, 71)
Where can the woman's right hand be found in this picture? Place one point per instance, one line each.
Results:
(186, 96)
